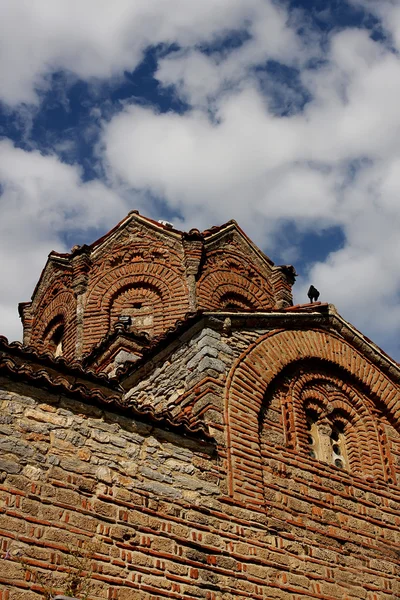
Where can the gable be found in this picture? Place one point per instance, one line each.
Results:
(236, 274)
(146, 276)
(366, 395)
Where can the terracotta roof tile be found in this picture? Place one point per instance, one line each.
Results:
(46, 359)
(56, 374)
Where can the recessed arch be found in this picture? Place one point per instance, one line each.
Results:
(332, 394)
(53, 335)
(235, 300)
(253, 372)
(165, 283)
(222, 283)
(143, 303)
(61, 308)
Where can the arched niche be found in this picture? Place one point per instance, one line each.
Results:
(216, 287)
(152, 283)
(234, 300)
(53, 336)
(142, 303)
(56, 318)
(322, 413)
(248, 383)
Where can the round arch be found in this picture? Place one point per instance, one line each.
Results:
(328, 395)
(221, 283)
(167, 284)
(63, 308)
(248, 381)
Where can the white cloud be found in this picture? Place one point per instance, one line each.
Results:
(335, 163)
(332, 164)
(101, 39)
(363, 278)
(388, 14)
(200, 78)
(41, 199)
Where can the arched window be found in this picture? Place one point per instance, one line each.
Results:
(57, 341)
(320, 412)
(53, 336)
(140, 306)
(338, 446)
(326, 439)
(313, 438)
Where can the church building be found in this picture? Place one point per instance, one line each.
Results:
(172, 427)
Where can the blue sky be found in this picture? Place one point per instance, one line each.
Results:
(282, 115)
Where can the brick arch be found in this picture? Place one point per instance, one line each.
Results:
(250, 377)
(150, 298)
(168, 283)
(342, 399)
(220, 283)
(55, 323)
(62, 306)
(236, 298)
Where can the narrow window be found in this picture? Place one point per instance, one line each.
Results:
(338, 447)
(313, 437)
(57, 341)
(326, 440)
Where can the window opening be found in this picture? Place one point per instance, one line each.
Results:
(57, 342)
(338, 446)
(326, 440)
(313, 437)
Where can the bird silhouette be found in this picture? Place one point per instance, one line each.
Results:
(313, 294)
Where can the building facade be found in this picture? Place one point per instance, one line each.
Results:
(173, 418)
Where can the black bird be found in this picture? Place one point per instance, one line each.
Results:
(313, 294)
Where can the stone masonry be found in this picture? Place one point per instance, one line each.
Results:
(247, 452)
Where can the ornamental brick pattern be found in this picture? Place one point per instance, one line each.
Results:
(59, 312)
(153, 274)
(120, 289)
(250, 450)
(257, 368)
(159, 506)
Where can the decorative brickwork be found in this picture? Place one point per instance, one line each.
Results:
(257, 368)
(59, 312)
(227, 288)
(234, 275)
(156, 503)
(152, 274)
(248, 450)
(336, 400)
(154, 287)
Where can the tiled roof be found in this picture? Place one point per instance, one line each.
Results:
(59, 363)
(56, 374)
(141, 337)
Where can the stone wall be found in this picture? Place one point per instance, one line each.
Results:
(175, 381)
(72, 473)
(151, 502)
(157, 506)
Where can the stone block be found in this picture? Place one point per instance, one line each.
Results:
(205, 351)
(211, 363)
(9, 466)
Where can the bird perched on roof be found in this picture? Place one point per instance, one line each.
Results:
(313, 294)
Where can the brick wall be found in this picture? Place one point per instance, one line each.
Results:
(73, 473)
(212, 489)
(156, 507)
(245, 513)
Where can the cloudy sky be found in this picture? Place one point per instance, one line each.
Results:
(284, 115)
